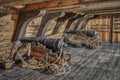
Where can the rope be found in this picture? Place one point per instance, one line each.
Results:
(42, 59)
(23, 61)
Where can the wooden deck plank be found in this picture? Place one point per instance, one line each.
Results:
(100, 64)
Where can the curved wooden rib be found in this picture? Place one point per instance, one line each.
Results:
(47, 19)
(22, 22)
(83, 21)
(24, 26)
(62, 20)
(71, 20)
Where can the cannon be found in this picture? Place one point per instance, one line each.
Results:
(90, 33)
(46, 53)
(53, 44)
(90, 38)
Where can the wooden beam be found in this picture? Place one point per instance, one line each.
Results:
(50, 4)
(88, 1)
(70, 21)
(19, 20)
(99, 12)
(82, 22)
(88, 7)
(46, 20)
(73, 5)
(24, 2)
(111, 28)
(61, 21)
(79, 20)
(19, 2)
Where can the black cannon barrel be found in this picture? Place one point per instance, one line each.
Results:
(28, 39)
(84, 32)
(48, 42)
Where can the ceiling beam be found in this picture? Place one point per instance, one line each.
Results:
(73, 6)
(50, 4)
(88, 7)
(19, 2)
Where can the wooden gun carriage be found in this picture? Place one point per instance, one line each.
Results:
(43, 53)
(78, 37)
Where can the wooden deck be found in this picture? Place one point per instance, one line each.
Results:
(99, 64)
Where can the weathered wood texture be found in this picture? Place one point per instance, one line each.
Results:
(103, 24)
(46, 20)
(18, 2)
(99, 64)
(73, 5)
(116, 28)
(50, 28)
(24, 2)
(6, 31)
(62, 20)
(33, 27)
(70, 21)
(63, 5)
(50, 4)
(19, 20)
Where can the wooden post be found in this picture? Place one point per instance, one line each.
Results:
(111, 29)
(15, 18)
